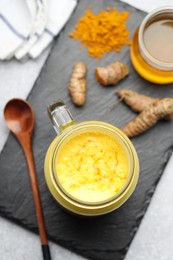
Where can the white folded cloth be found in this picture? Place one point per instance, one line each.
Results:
(15, 25)
(39, 24)
(59, 12)
(28, 26)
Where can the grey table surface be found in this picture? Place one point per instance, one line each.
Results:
(154, 238)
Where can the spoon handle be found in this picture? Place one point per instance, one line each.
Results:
(27, 147)
(46, 252)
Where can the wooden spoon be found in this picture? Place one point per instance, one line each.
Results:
(19, 118)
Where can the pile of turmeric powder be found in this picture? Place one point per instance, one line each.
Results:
(102, 32)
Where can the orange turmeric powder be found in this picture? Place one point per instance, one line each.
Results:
(102, 32)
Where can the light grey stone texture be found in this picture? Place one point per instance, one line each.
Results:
(154, 238)
(20, 244)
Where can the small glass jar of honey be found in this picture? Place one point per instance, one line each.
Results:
(152, 47)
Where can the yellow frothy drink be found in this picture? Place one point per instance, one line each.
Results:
(92, 166)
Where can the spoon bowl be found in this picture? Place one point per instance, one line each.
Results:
(19, 116)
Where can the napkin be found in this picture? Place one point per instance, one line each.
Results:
(27, 27)
(58, 14)
(15, 26)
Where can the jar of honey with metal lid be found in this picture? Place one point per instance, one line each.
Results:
(152, 47)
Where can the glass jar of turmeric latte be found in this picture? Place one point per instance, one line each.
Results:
(152, 47)
(91, 168)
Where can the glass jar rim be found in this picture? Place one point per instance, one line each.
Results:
(82, 126)
(167, 66)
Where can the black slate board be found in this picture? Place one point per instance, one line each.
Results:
(106, 237)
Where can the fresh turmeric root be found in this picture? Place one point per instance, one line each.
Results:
(111, 74)
(138, 102)
(77, 86)
(149, 117)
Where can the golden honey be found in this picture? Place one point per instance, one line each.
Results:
(152, 49)
(158, 39)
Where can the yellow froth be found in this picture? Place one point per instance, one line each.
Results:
(92, 166)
